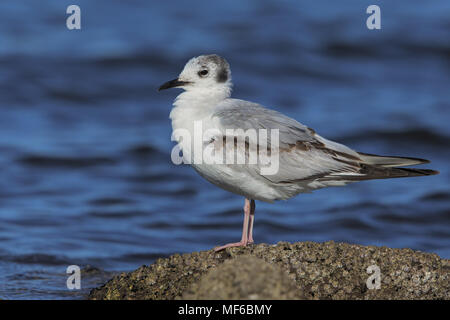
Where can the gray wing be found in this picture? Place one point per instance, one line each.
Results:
(241, 114)
(306, 158)
(303, 155)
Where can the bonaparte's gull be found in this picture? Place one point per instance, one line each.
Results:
(306, 161)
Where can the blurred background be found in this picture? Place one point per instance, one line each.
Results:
(86, 175)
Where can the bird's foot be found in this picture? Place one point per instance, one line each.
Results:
(230, 245)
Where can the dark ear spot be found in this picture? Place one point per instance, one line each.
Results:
(222, 75)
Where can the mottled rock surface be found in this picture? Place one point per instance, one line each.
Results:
(303, 270)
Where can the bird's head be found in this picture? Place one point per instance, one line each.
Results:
(205, 72)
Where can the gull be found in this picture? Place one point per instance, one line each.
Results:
(307, 161)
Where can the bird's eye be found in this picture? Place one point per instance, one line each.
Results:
(203, 73)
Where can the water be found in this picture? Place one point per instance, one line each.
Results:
(85, 137)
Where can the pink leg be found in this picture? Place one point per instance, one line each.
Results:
(245, 229)
(252, 219)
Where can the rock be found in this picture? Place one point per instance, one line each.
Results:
(246, 277)
(303, 270)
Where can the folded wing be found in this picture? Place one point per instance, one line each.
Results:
(306, 156)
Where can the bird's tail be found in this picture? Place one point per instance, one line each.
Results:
(390, 161)
(388, 166)
(379, 172)
(382, 167)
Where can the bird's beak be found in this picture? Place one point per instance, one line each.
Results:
(172, 84)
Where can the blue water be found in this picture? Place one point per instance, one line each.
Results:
(85, 144)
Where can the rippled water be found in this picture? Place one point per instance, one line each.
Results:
(85, 138)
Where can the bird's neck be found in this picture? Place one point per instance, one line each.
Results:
(196, 105)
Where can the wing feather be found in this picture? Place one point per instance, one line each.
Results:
(303, 155)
